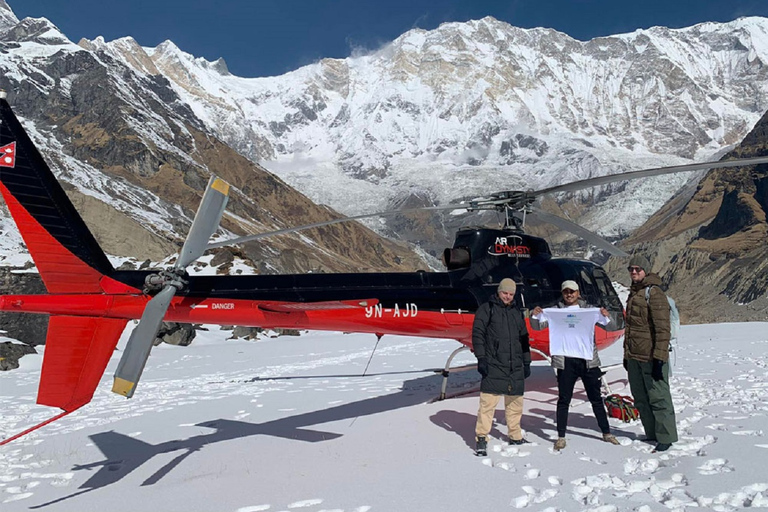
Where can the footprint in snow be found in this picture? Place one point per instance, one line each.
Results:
(757, 433)
(510, 451)
(305, 503)
(715, 466)
(637, 467)
(555, 480)
(590, 459)
(755, 495)
(532, 496)
(16, 497)
(506, 466)
(532, 474)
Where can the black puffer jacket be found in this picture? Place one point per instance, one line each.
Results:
(499, 334)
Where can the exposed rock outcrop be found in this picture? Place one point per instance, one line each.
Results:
(711, 247)
(10, 353)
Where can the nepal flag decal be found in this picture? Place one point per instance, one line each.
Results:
(8, 155)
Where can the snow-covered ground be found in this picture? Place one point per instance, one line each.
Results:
(288, 424)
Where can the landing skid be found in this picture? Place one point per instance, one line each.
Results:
(447, 370)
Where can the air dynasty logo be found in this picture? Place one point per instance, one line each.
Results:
(508, 245)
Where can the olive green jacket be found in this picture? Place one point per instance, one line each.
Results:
(646, 336)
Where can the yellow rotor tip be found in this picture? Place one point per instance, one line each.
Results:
(123, 387)
(220, 185)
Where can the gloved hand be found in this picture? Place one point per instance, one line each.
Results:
(482, 366)
(527, 370)
(625, 364)
(657, 370)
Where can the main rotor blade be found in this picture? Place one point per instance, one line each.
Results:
(658, 171)
(249, 238)
(206, 221)
(140, 343)
(574, 228)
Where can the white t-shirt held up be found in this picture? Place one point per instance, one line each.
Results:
(572, 330)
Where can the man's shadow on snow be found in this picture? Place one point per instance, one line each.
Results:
(124, 454)
(537, 421)
(463, 424)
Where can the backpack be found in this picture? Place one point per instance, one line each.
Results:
(674, 315)
(674, 323)
(621, 407)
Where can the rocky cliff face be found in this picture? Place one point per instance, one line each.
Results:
(710, 245)
(136, 159)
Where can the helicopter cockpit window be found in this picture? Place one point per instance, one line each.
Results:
(604, 283)
(589, 288)
(600, 283)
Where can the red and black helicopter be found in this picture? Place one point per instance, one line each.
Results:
(90, 302)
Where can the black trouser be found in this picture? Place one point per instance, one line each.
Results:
(574, 370)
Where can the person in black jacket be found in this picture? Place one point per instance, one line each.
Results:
(501, 345)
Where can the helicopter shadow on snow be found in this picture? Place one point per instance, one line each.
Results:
(124, 454)
(541, 388)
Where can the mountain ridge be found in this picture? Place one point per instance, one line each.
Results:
(471, 108)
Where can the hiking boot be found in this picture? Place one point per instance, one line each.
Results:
(560, 443)
(662, 447)
(518, 442)
(481, 448)
(610, 438)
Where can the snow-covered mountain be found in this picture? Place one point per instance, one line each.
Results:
(476, 107)
(135, 159)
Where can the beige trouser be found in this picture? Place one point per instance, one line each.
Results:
(513, 410)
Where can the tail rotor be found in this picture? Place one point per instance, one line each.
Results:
(169, 282)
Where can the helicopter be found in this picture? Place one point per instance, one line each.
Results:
(89, 302)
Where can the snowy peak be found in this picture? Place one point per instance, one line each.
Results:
(123, 49)
(35, 30)
(470, 108)
(168, 56)
(7, 18)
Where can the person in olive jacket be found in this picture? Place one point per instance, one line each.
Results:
(646, 354)
(501, 345)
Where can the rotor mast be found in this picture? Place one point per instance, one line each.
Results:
(515, 204)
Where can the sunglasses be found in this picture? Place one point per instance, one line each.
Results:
(634, 269)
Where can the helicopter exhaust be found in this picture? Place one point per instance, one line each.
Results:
(456, 258)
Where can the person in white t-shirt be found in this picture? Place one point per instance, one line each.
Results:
(574, 355)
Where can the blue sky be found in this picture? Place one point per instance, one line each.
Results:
(271, 37)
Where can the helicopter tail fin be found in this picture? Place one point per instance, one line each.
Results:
(66, 254)
(77, 350)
